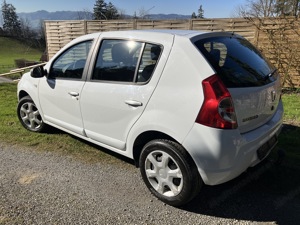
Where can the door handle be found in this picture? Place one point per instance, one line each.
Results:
(134, 103)
(73, 94)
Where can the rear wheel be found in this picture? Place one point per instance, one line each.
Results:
(29, 115)
(169, 172)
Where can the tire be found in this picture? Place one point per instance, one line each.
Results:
(29, 115)
(169, 172)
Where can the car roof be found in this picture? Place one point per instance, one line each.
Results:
(189, 33)
(126, 33)
(161, 36)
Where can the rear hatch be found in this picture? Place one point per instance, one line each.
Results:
(252, 81)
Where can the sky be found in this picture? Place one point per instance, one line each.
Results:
(212, 8)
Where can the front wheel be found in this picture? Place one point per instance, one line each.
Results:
(29, 115)
(169, 172)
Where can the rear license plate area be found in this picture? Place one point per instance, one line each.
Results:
(263, 151)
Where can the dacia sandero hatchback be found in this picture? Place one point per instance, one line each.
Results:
(190, 107)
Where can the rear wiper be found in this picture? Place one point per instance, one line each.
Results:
(270, 74)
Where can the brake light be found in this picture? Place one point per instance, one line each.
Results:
(217, 109)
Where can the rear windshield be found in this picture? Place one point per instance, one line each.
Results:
(237, 61)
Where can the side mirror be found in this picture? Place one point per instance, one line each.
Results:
(37, 72)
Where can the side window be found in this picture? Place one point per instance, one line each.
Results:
(117, 60)
(149, 60)
(71, 63)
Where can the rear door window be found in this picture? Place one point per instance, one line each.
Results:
(126, 61)
(236, 61)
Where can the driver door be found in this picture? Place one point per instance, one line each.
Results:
(60, 91)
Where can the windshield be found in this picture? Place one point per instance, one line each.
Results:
(237, 61)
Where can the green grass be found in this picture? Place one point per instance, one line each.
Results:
(292, 107)
(12, 133)
(12, 49)
(289, 139)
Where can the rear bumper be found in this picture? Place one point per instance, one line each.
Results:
(222, 155)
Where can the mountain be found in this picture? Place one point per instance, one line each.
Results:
(168, 17)
(35, 18)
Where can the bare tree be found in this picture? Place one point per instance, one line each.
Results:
(269, 8)
(84, 14)
(287, 7)
(257, 8)
(142, 13)
(122, 13)
(26, 31)
(268, 16)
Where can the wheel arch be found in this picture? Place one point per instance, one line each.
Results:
(143, 139)
(22, 94)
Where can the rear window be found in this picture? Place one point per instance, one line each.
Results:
(237, 61)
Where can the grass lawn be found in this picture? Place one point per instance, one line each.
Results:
(13, 49)
(11, 132)
(290, 136)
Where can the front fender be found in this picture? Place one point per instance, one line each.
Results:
(29, 86)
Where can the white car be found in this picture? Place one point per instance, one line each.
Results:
(190, 107)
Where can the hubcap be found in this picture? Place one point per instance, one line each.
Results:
(30, 116)
(163, 173)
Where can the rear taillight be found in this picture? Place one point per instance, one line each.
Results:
(217, 109)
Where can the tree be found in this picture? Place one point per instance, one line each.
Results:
(283, 39)
(111, 12)
(142, 13)
(269, 8)
(11, 22)
(287, 7)
(25, 29)
(200, 12)
(257, 8)
(84, 14)
(100, 10)
(105, 11)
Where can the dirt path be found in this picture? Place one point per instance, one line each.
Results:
(4, 80)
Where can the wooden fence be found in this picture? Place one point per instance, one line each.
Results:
(277, 38)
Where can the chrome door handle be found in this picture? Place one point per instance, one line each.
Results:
(73, 94)
(134, 103)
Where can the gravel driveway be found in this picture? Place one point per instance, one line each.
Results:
(48, 188)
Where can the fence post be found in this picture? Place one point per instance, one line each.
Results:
(134, 24)
(191, 24)
(85, 26)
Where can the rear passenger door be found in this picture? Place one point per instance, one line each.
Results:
(118, 90)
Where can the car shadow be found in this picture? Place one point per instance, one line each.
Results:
(267, 192)
(251, 197)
